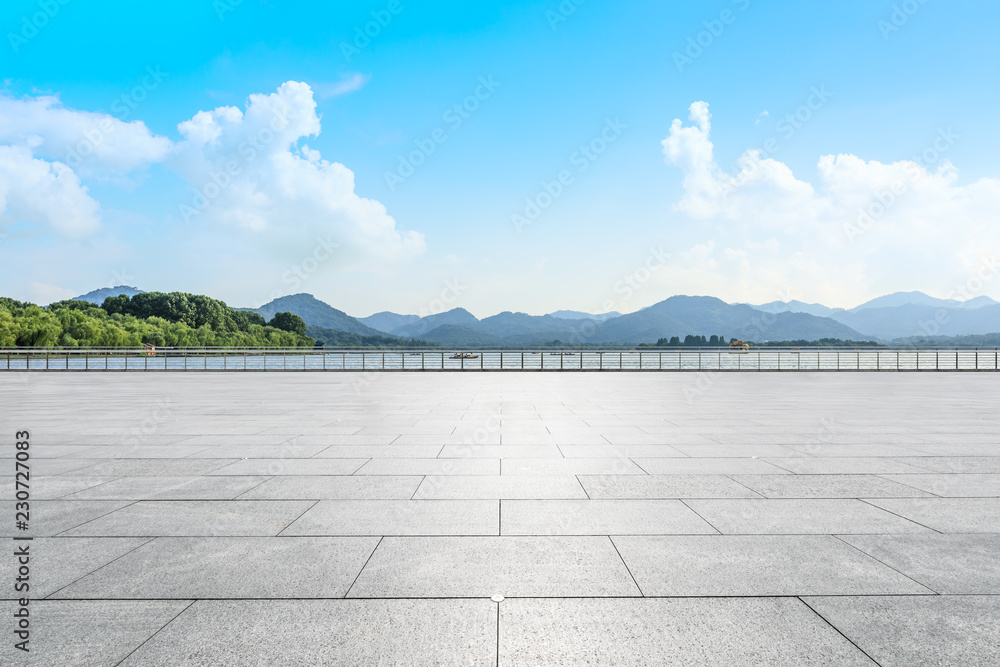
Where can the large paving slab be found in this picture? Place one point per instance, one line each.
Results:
(906, 631)
(326, 632)
(88, 633)
(755, 565)
(229, 567)
(710, 632)
(486, 566)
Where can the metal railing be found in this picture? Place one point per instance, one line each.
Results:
(500, 359)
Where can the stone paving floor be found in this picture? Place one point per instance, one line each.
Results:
(626, 518)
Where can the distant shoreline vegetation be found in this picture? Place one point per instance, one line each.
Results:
(158, 319)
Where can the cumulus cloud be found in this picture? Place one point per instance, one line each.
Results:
(47, 194)
(863, 228)
(250, 173)
(92, 144)
(45, 149)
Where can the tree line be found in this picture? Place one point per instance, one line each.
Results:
(174, 319)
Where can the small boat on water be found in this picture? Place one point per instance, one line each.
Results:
(739, 347)
(464, 355)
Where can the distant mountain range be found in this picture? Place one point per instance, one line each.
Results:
(676, 316)
(895, 317)
(907, 315)
(99, 295)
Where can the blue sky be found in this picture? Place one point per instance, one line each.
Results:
(886, 180)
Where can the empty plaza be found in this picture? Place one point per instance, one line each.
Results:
(625, 518)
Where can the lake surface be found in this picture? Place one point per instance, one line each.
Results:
(495, 360)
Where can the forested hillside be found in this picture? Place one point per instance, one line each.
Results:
(153, 318)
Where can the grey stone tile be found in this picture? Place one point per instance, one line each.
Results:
(431, 466)
(378, 452)
(947, 515)
(740, 451)
(953, 485)
(663, 486)
(600, 517)
(233, 439)
(463, 439)
(52, 488)
(56, 561)
(142, 451)
(50, 517)
(258, 452)
(778, 632)
(961, 449)
(859, 465)
(574, 466)
(500, 487)
(499, 451)
(755, 565)
(46, 467)
(422, 633)
(85, 633)
(169, 488)
(485, 566)
(626, 451)
(230, 567)
(335, 488)
(826, 486)
(150, 467)
(800, 517)
(959, 464)
(950, 564)
(917, 631)
(399, 517)
(850, 451)
(324, 466)
(707, 466)
(154, 518)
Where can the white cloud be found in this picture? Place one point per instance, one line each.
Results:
(250, 174)
(44, 193)
(43, 294)
(347, 84)
(864, 227)
(93, 144)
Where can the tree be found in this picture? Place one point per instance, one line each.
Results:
(288, 322)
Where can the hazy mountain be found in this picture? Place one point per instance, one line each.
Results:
(578, 315)
(99, 295)
(387, 321)
(906, 299)
(915, 320)
(459, 316)
(523, 329)
(334, 338)
(676, 316)
(315, 312)
(705, 316)
(457, 335)
(817, 309)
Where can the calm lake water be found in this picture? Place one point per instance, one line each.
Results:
(704, 360)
